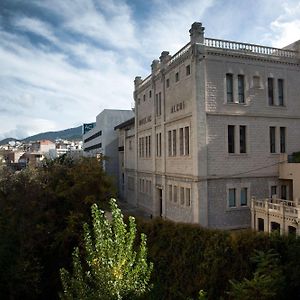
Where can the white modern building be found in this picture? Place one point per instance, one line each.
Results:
(210, 124)
(102, 139)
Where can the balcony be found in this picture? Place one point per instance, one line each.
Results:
(289, 169)
(275, 214)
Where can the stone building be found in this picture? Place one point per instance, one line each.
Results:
(210, 124)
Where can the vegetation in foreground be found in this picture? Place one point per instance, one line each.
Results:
(42, 212)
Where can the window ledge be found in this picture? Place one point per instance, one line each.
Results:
(237, 208)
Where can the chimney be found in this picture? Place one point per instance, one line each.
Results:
(197, 33)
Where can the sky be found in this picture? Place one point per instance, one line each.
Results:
(63, 61)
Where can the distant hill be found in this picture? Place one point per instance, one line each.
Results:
(68, 134)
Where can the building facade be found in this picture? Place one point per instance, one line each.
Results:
(102, 139)
(210, 124)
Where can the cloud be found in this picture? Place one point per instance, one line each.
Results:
(35, 26)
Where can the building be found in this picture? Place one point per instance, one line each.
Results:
(210, 124)
(103, 140)
(126, 148)
(276, 212)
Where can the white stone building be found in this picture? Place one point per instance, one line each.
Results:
(210, 124)
(103, 140)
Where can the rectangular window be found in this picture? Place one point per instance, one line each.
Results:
(283, 192)
(174, 142)
(175, 193)
(146, 146)
(181, 146)
(159, 144)
(187, 140)
(280, 92)
(282, 140)
(149, 145)
(273, 190)
(170, 143)
(229, 87)
(177, 77)
(159, 104)
(230, 138)
(168, 82)
(188, 196)
(271, 91)
(144, 97)
(170, 193)
(243, 139)
(231, 198)
(182, 196)
(156, 104)
(241, 88)
(150, 94)
(272, 139)
(244, 196)
(188, 70)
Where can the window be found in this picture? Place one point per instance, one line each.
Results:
(130, 145)
(229, 87)
(271, 91)
(188, 70)
(182, 196)
(170, 143)
(272, 140)
(231, 198)
(231, 139)
(174, 142)
(158, 104)
(261, 225)
(187, 140)
(284, 192)
(273, 190)
(158, 144)
(280, 92)
(149, 145)
(150, 94)
(241, 88)
(170, 192)
(244, 196)
(175, 193)
(243, 139)
(188, 196)
(168, 82)
(181, 147)
(144, 97)
(177, 77)
(282, 140)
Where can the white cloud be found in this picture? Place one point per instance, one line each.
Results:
(286, 27)
(35, 26)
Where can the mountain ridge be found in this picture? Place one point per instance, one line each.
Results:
(74, 133)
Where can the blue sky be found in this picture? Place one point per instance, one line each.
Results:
(63, 61)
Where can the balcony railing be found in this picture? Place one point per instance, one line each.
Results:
(280, 207)
(248, 48)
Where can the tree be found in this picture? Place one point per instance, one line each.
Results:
(112, 268)
(267, 279)
(42, 211)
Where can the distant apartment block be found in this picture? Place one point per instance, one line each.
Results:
(211, 123)
(102, 139)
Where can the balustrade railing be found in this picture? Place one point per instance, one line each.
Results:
(278, 206)
(248, 48)
(179, 53)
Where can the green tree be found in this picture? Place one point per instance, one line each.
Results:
(42, 211)
(267, 279)
(112, 269)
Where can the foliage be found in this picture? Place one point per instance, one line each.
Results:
(188, 258)
(41, 216)
(112, 268)
(266, 282)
